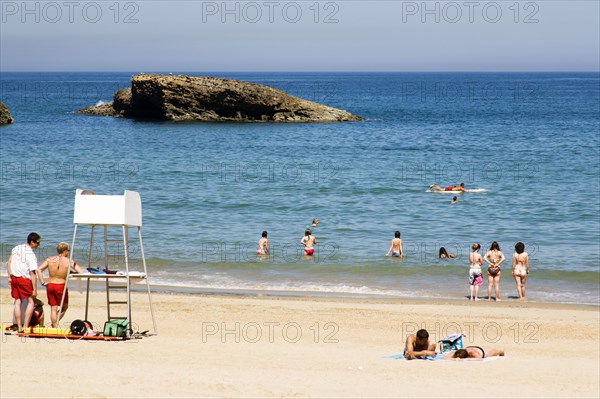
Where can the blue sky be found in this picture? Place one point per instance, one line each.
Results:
(296, 35)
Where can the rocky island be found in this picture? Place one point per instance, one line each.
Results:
(5, 117)
(190, 98)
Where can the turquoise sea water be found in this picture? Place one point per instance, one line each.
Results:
(530, 140)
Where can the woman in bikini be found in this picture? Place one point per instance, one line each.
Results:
(494, 257)
(263, 245)
(473, 352)
(475, 276)
(520, 268)
(308, 241)
(395, 246)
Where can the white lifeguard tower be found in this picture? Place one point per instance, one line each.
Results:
(122, 211)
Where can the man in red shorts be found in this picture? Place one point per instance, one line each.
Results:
(22, 268)
(58, 267)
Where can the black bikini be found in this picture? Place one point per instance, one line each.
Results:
(480, 348)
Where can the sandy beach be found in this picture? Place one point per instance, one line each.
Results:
(262, 346)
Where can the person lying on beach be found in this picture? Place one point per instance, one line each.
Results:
(418, 346)
(458, 187)
(443, 254)
(263, 245)
(58, 267)
(473, 352)
(395, 246)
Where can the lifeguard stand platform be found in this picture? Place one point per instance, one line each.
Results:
(115, 211)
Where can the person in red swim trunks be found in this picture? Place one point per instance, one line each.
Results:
(459, 187)
(58, 268)
(308, 241)
(22, 278)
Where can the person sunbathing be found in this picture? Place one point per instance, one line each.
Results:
(418, 346)
(473, 352)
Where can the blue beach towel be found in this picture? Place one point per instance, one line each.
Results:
(439, 356)
(95, 271)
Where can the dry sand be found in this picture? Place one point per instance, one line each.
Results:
(248, 346)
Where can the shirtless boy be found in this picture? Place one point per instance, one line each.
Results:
(58, 268)
(395, 246)
(418, 346)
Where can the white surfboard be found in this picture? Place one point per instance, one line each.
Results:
(455, 192)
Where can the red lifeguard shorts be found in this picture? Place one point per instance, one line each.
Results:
(54, 292)
(20, 287)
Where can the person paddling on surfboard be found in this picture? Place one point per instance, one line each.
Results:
(459, 187)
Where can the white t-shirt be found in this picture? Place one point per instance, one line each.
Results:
(23, 261)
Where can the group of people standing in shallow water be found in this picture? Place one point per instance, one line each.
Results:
(494, 258)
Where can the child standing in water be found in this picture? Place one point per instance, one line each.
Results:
(263, 245)
(475, 275)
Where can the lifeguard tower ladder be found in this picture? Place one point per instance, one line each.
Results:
(122, 211)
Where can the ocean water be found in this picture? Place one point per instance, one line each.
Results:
(529, 141)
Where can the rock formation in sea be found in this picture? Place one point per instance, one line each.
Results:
(5, 117)
(190, 98)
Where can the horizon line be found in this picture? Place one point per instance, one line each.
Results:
(311, 71)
